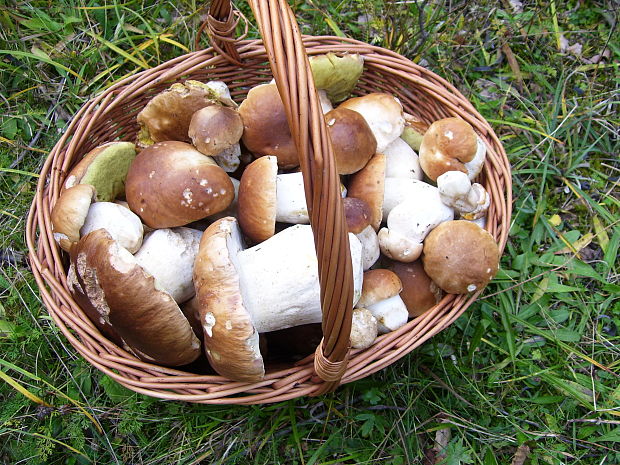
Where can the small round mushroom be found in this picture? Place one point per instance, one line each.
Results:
(357, 214)
(352, 140)
(471, 201)
(172, 184)
(380, 295)
(364, 328)
(168, 114)
(69, 214)
(271, 286)
(216, 131)
(105, 168)
(419, 292)
(125, 297)
(168, 255)
(451, 144)
(265, 127)
(382, 112)
(121, 223)
(460, 257)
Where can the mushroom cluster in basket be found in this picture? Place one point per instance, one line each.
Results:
(195, 241)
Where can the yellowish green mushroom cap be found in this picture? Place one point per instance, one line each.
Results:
(337, 75)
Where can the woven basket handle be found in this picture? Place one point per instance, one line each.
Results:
(291, 70)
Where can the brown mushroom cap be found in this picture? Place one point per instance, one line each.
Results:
(69, 214)
(105, 167)
(167, 115)
(172, 184)
(447, 144)
(215, 128)
(378, 285)
(460, 256)
(125, 296)
(230, 338)
(353, 141)
(368, 184)
(419, 292)
(357, 214)
(256, 202)
(265, 127)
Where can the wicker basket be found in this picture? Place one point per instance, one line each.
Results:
(243, 64)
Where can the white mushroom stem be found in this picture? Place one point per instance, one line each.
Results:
(474, 167)
(402, 161)
(326, 104)
(370, 246)
(121, 223)
(408, 224)
(291, 199)
(457, 191)
(279, 278)
(390, 313)
(397, 190)
(169, 255)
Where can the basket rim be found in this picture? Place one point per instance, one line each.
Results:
(46, 261)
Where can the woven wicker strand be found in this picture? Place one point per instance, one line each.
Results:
(111, 115)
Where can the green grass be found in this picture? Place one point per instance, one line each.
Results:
(530, 371)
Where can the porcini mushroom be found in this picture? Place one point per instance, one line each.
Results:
(336, 75)
(364, 328)
(241, 293)
(451, 144)
(380, 295)
(69, 213)
(172, 184)
(126, 297)
(368, 184)
(419, 292)
(121, 223)
(353, 141)
(471, 201)
(460, 257)
(401, 161)
(357, 214)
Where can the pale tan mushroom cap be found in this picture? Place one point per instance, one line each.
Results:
(378, 285)
(125, 296)
(70, 212)
(172, 184)
(214, 129)
(447, 145)
(256, 202)
(368, 184)
(460, 256)
(265, 127)
(231, 341)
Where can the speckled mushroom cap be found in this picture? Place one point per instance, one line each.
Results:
(447, 145)
(70, 212)
(368, 184)
(230, 338)
(105, 168)
(214, 129)
(378, 285)
(265, 127)
(256, 202)
(172, 184)
(419, 292)
(125, 297)
(460, 256)
(353, 141)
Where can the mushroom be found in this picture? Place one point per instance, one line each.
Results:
(326, 104)
(471, 201)
(397, 190)
(265, 127)
(414, 131)
(168, 255)
(241, 293)
(121, 223)
(125, 297)
(402, 161)
(364, 328)
(382, 112)
(419, 292)
(172, 184)
(368, 184)
(357, 214)
(336, 75)
(352, 140)
(216, 131)
(168, 114)
(69, 213)
(460, 257)
(410, 221)
(380, 295)
(105, 168)
(451, 144)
